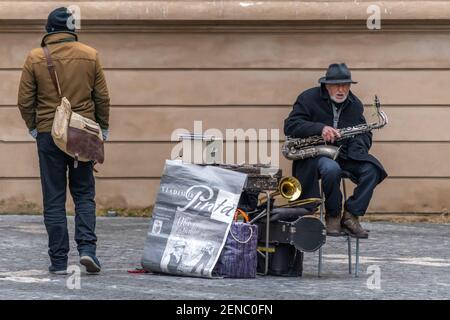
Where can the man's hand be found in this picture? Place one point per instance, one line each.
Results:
(33, 133)
(330, 134)
(105, 134)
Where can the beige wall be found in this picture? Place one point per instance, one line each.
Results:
(236, 66)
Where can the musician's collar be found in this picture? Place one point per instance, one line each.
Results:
(350, 96)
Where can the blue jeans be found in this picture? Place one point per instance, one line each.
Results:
(364, 174)
(53, 165)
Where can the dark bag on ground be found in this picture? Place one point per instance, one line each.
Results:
(285, 261)
(239, 256)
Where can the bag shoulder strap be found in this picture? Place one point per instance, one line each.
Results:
(52, 71)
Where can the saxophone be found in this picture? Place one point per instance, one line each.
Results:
(304, 148)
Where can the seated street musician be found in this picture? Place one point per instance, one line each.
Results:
(321, 113)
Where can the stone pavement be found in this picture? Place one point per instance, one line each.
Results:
(413, 261)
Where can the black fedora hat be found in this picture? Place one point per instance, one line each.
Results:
(337, 73)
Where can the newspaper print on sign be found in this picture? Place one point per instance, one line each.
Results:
(191, 219)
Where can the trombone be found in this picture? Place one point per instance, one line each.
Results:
(290, 188)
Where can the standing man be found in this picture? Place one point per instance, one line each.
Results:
(82, 81)
(206, 253)
(176, 257)
(321, 111)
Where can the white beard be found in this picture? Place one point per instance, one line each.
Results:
(338, 100)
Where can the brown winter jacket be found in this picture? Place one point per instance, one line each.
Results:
(81, 78)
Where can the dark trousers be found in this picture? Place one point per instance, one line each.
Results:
(53, 165)
(364, 174)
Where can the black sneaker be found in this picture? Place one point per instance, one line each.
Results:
(58, 270)
(91, 263)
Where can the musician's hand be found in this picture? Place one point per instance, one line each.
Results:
(330, 134)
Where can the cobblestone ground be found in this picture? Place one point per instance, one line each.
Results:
(413, 261)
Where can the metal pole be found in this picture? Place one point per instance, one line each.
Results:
(348, 237)
(321, 219)
(357, 257)
(266, 269)
(349, 244)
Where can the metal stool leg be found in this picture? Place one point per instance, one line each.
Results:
(349, 244)
(349, 252)
(266, 266)
(320, 263)
(321, 219)
(357, 257)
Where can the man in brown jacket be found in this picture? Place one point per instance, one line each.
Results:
(83, 83)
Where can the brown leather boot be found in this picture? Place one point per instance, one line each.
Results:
(351, 225)
(333, 225)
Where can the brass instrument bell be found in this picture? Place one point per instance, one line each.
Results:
(289, 188)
